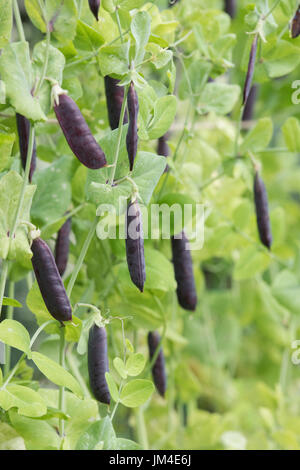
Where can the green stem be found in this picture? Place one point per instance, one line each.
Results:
(39, 330)
(114, 166)
(141, 429)
(45, 65)
(81, 257)
(18, 21)
(61, 396)
(119, 25)
(9, 316)
(3, 278)
(72, 363)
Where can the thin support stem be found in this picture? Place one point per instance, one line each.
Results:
(141, 429)
(18, 21)
(72, 363)
(81, 257)
(119, 25)
(45, 65)
(61, 396)
(4, 272)
(122, 114)
(9, 316)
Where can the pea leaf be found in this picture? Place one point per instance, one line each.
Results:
(15, 334)
(5, 21)
(17, 74)
(56, 373)
(27, 401)
(101, 433)
(219, 98)
(136, 393)
(291, 133)
(259, 137)
(140, 28)
(10, 439)
(112, 386)
(120, 367)
(6, 145)
(135, 364)
(164, 113)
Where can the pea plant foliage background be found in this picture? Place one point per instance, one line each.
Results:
(114, 344)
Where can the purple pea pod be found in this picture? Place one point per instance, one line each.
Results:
(158, 369)
(94, 7)
(135, 245)
(114, 99)
(184, 275)
(295, 28)
(163, 149)
(98, 363)
(132, 133)
(62, 246)
(77, 133)
(250, 71)
(250, 103)
(262, 211)
(23, 126)
(230, 7)
(50, 283)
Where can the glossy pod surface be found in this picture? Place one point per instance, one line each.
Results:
(62, 246)
(262, 211)
(98, 363)
(23, 126)
(158, 369)
(78, 134)
(135, 245)
(250, 104)
(50, 282)
(114, 99)
(295, 30)
(184, 275)
(132, 133)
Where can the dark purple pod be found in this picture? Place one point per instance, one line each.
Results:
(62, 246)
(262, 211)
(98, 363)
(295, 28)
(158, 369)
(23, 126)
(78, 134)
(250, 103)
(132, 133)
(163, 149)
(184, 275)
(114, 99)
(135, 245)
(50, 283)
(230, 7)
(250, 71)
(94, 7)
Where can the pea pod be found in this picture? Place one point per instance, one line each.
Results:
(230, 7)
(62, 246)
(262, 211)
(295, 28)
(98, 363)
(132, 133)
(158, 369)
(50, 282)
(183, 269)
(77, 133)
(163, 149)
(114, 100)
(250, 70)
(94, 7)
(135, 245)
(250, 103)
(23, 126)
